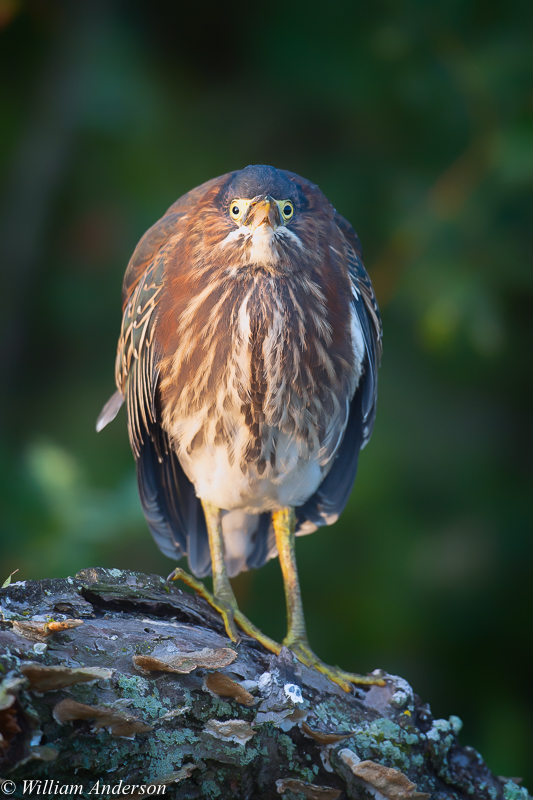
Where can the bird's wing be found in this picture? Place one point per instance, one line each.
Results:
(140, 290)
(365, 306)
(170, 505)
(328, 502)
(137, 364)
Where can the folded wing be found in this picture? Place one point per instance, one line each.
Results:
(328, 502)
(172, 510)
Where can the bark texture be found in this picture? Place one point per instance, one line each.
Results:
(111, 680)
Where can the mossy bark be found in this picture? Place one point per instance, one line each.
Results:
(146, 722)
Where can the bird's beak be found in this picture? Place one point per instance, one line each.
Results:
(263, 211)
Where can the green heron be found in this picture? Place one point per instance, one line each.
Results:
(248, 361)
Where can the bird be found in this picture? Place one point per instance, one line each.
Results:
(248, 362)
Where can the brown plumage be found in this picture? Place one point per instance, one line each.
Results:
(248, 361)
(254, 354)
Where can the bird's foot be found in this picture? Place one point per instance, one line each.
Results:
(224, 608)
(251, 630)
(229, 612)
(302, 651)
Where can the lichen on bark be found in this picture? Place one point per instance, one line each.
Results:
(129, 695)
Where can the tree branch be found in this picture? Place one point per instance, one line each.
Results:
(113, 677)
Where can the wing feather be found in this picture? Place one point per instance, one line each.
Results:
(172, 510)
(366, 308)
(328, 502)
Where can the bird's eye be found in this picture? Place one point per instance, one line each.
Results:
(287, 209)
(235, 210)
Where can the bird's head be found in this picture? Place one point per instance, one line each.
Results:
(267, 217)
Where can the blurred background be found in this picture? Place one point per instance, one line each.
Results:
(415, 118)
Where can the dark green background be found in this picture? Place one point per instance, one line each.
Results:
(415, 118)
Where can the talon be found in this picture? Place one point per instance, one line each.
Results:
(173, 576)
(179, 574)
(303, 653)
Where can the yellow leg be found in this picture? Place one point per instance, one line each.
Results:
(223, 599)
(284, 522)
(227, 604)
(243, 622)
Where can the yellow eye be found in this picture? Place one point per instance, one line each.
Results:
(236, 208)
(287, 209)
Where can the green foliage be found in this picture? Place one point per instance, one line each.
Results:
(415, 119)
